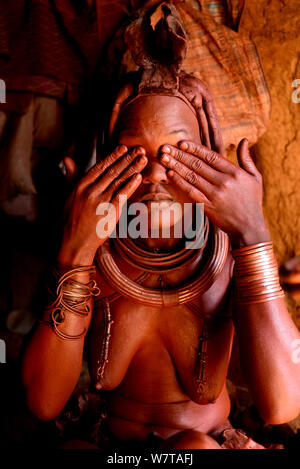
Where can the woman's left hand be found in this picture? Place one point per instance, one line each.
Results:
(232, 195)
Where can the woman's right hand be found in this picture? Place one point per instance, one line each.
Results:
(117, 174)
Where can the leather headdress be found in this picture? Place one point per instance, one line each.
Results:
(158, 44)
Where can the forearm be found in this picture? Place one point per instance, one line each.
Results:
(232, 198)
(266, 334)
(52, 362)
(53, 358)
(51, 368)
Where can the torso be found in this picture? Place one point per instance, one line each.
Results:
(151, 374)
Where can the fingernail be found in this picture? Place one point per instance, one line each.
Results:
(142, 159)
(166, 149)
(165, 158)
(137, 176)
(170, 173)
(63, 168)
(122, 148)
(183, 146)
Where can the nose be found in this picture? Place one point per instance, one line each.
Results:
(154, 173)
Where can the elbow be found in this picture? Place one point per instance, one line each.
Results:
(39, 399)
(41, 404)
(43, 414)
(41, 410)
(37, 404)
(279, 419)
(279, 416)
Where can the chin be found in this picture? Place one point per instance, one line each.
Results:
(165, 213)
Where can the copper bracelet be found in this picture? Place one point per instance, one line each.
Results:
(72, 297)
(256, 274)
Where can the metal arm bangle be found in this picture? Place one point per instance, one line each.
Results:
(71, 296)
(256, 274)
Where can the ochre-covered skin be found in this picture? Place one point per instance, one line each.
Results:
(152, 376)
(152, 351)
(151, 364)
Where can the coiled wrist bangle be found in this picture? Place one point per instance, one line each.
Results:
(72, 296)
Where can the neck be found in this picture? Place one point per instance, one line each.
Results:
(167, 265)
(159, 244)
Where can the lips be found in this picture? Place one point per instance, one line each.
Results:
(155, 196)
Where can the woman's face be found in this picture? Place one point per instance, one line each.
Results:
(151, 122)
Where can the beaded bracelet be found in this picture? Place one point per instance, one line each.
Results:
(256, 274)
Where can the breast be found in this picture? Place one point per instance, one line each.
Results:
(151, 376)
(203, 356)
(133, 326)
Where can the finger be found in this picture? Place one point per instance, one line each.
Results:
(193, 162)
(123, 94)
(123, 194)
(113, 171)
(191, 191)
(213, 124)
(244, 158)
(136, 167)
(203, 127)
(199, 96)
(216, 141)
(188, 174)
(102, 165)
(71, 168)
(210, 157)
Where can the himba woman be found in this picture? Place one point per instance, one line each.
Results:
(160, 317)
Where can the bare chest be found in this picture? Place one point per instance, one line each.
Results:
(167, 348)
